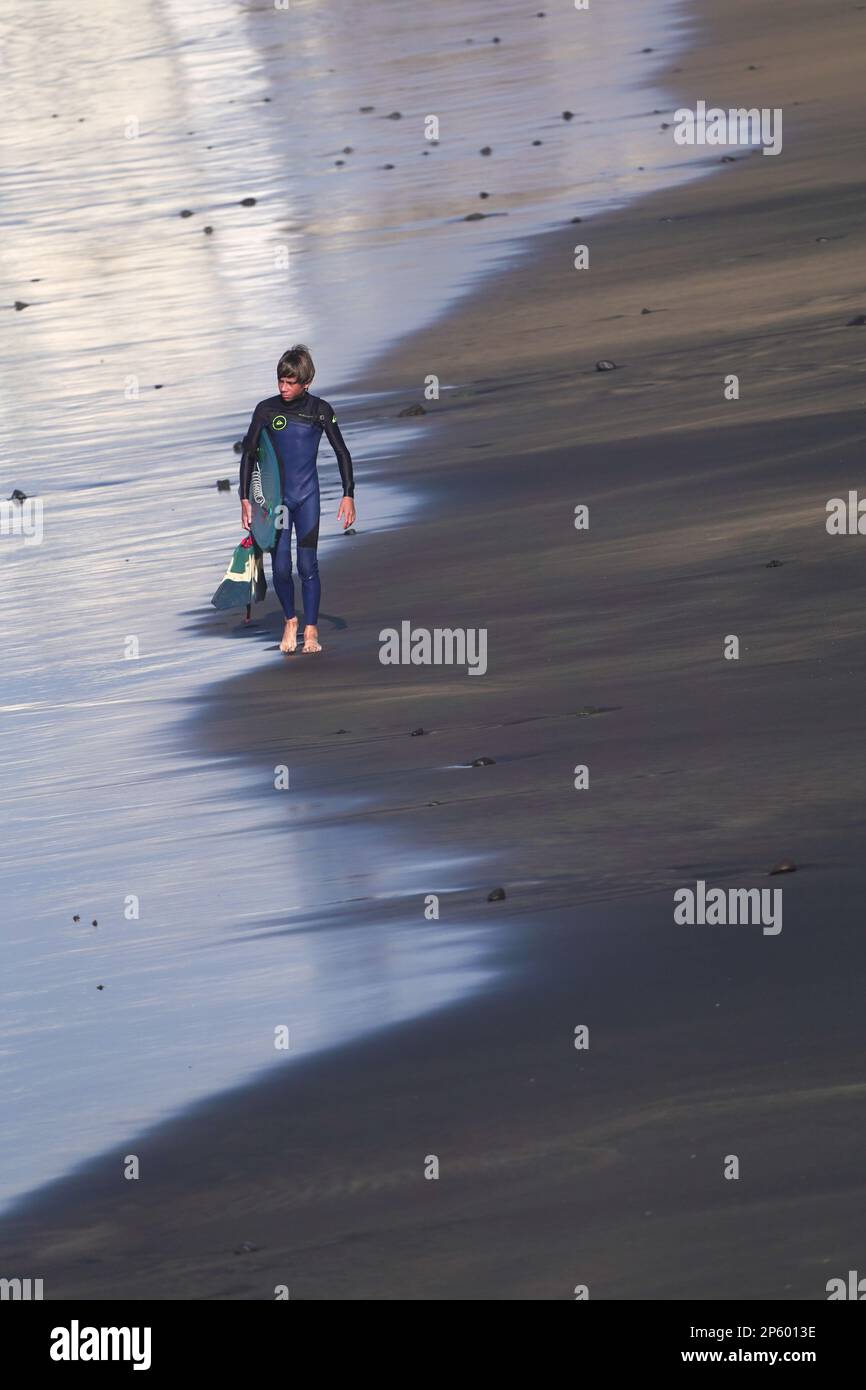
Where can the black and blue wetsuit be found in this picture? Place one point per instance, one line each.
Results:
(295, 429)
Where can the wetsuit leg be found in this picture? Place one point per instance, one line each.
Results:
(306, 519)
(281, 560)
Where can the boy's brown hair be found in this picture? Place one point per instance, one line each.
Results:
(297, 363)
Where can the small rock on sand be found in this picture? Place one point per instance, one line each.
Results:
(483, 762)
(496, 896)
(856, 322)
(18, 496)
(416, 733)
(488, 149)
(248, 202)
(784, 866)
(605, 366)
(186, 212)
(21, 304)
(223, 485)
(413, 409)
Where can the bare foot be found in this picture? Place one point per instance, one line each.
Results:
(290, 636)
(311, 639)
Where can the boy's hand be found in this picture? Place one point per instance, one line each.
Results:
(346, 514)
(246, 514)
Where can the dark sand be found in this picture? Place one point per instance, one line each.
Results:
(603, 1167)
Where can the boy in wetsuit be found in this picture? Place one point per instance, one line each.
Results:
(295, 422)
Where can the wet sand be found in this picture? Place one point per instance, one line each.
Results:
(561, 1167)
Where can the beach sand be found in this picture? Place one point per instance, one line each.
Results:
(601, 1167)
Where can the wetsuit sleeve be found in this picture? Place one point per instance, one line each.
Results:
(249, 452)
(338, 444)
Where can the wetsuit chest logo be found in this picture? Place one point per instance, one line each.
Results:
(279, 422)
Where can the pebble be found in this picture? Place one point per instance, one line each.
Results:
(784, 866)
(496, 896)
(483, 762)
(486, 150)
(413, 409)
(416, 733)
(248, 202)
(223, 485)
(21, 304)
(857, 322)
(605, 366)
(18, 495)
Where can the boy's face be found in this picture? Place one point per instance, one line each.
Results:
(290, 387)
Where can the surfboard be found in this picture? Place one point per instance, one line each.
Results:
(265, 494)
